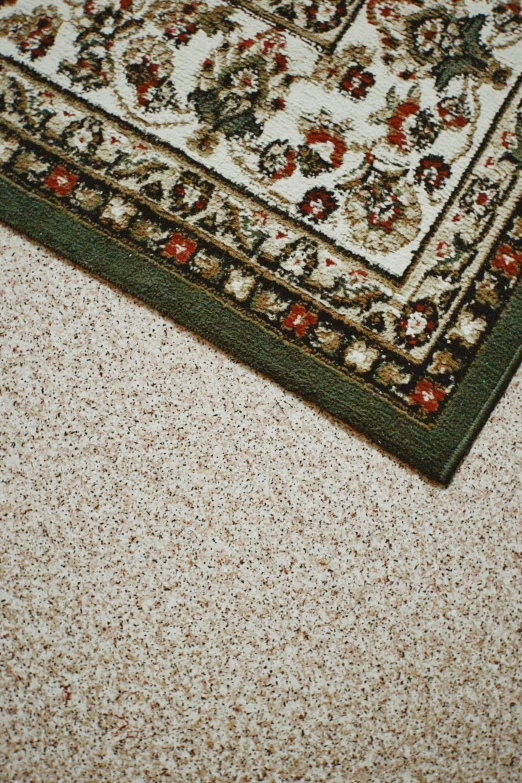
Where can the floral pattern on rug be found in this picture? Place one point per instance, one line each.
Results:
(258, 235)
(361, 200)
(420, 390)
(365, 142)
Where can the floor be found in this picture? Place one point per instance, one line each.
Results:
(205, 579)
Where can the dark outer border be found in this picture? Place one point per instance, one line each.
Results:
(436, 453)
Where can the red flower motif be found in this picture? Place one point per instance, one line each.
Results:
(247, 43)
(281, 62)
(428, 396)
(507, 260)
(180, 248)
(433, 172)
(299, 319)
(38, 41)
(509, 140)
(453, 113)
(318, 204)
(322, 136)
(146, 77)
(90, 6)
(357, 82)
(61, 181)
(397, 134)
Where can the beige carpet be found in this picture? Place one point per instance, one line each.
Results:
(206, 580)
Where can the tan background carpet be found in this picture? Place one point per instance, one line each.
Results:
(206, 580)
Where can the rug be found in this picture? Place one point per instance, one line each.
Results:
(329, 190)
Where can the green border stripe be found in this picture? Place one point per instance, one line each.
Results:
(436, 452)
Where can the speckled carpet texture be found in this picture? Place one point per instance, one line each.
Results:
(205, 579)
(329, 190)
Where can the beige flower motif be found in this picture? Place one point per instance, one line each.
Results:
(147, 231)
(468, 329)
(239, 284)
(88, 198)
(208, 265)
(415, 324)
(360, 356)
(269, 303)
(7, 148)
(443, 362)
(391, 375)
(329, 339)
(383, 211)
(118, 212)
(28, 161)
(487, 292)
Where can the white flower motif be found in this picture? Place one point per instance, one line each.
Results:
(443, 362)
(81, 139)
(118, 212)
(295, 263)
(316, 207)
(239, 284)
(325, 149)
(416, 324)
(325, 13)
(360, 356)
(469, 328)
(7, 148)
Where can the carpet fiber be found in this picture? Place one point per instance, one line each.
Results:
(204, 578)
(328, 190)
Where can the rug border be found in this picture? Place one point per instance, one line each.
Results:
(435, 452)
(397, 281)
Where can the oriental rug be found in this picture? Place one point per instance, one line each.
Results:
(330, 190)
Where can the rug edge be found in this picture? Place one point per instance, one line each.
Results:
(436, 452)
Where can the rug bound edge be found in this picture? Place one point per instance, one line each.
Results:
(435, 452)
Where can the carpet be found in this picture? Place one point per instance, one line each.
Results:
(330, 191)
(262, 594)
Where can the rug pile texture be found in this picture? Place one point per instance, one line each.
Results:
(328, 189)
